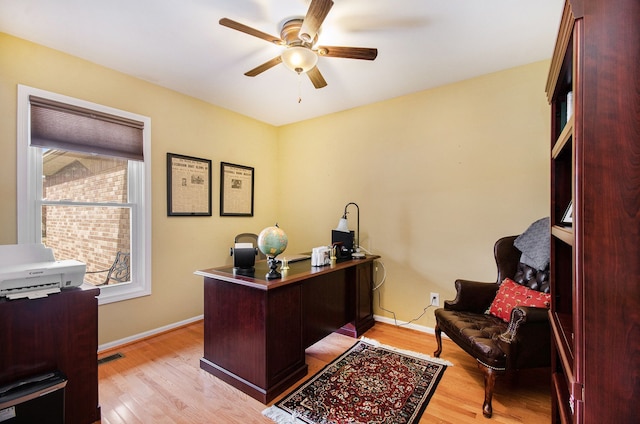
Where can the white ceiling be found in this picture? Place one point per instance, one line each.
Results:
(179, 44)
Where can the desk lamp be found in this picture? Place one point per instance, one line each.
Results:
(343, 226)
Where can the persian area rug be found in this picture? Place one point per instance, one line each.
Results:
(370, 383)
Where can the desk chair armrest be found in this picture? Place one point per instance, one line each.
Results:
(522, 316)
(472, 296)
(527, 339)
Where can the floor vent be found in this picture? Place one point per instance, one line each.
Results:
(110, 358)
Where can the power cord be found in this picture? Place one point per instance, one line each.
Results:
(382, 281)
(395, 320)
(377, 262)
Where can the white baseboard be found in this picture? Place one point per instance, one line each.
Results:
(146, 334)
(422, 328)
(127, 340)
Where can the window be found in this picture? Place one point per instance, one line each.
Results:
(84, 187)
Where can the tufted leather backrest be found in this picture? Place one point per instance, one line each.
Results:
(508, 262)
(532, 278)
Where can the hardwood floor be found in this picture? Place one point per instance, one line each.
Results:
(159, 380)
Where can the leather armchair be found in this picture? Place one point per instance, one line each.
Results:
(498, 346)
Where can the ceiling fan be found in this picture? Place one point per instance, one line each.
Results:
(299, 36)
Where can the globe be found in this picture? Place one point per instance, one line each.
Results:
(272, 241)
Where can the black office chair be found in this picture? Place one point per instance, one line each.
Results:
(250, 238)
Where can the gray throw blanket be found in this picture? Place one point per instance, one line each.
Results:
(535, 244)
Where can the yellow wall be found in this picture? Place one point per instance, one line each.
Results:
(179, 124)
(438, 176)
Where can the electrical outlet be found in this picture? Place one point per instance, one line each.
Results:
(435, 299)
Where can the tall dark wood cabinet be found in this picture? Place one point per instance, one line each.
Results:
(58, 332)
(594, 92)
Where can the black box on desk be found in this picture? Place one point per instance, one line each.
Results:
(344, 241)
(37, 399)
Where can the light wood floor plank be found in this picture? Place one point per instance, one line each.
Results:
(159, 380)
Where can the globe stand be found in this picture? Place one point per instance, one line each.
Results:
(273, 264)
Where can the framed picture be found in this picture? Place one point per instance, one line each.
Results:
(567, 218)
(236, 190)
(188, 186)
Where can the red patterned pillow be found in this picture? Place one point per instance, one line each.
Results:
(511, 294)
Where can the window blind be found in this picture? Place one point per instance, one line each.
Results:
(56, 125)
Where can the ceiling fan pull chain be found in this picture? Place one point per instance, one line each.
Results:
(299, 87)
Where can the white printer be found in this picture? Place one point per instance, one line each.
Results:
(30, 270)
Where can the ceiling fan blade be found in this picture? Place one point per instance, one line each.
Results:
(267, 65)
(318, 11)
(316, 78)
(251, 31)
(364, 53)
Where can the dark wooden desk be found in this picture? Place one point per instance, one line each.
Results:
(256, 331)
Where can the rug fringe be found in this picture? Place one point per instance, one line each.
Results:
(376, 343)
(279, 416)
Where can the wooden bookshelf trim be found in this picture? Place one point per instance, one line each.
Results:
(564, 35)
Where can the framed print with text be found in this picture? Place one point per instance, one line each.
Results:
(236, 190)
(188, 186)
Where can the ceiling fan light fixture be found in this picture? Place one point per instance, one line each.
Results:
(299, 59)
(299, 36)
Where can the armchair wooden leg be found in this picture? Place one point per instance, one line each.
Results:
(489, 381)
(438, 333)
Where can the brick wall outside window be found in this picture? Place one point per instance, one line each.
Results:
(92, 235)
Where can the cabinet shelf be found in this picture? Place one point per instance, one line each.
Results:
(565, 136)
(559, 388)
(563, 233)
(562, 325)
